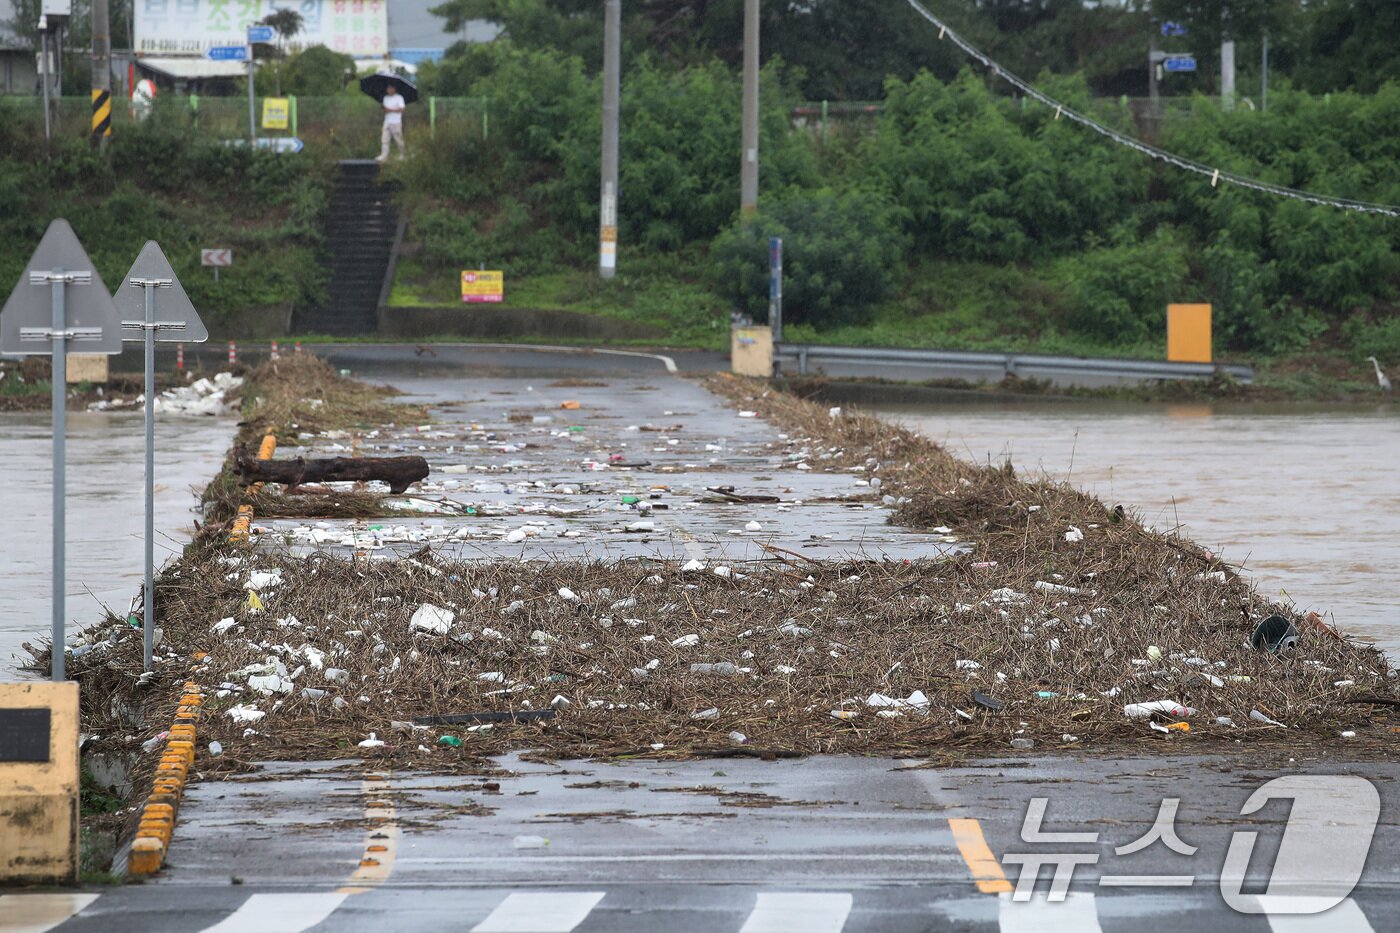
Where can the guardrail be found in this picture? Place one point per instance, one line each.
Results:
(1029, 365)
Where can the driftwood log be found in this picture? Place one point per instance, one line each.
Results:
(398, 472)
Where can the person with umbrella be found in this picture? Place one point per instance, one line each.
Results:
(393, 93)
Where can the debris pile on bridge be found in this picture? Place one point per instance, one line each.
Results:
(1059, 621)
(305, 658)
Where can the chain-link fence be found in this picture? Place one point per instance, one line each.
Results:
(348, 126)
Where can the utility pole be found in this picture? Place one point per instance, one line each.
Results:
(607, 208)
(252, 115)
(1264, 87)
(1154, 59)
(1227, 75)
(101, 73)
(45, 67)
(748, 176)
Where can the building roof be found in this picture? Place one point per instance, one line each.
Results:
(192, 69)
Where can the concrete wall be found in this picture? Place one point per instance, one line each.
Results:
(19, 72)
(39, 799)
(270, 322)
(505, 323)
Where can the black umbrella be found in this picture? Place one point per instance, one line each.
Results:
(379, 84)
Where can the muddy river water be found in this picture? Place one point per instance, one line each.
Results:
(106, 512)
(1307, 498)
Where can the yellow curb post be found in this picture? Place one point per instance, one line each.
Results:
(157, 823)
(242, 528)
(147, 854)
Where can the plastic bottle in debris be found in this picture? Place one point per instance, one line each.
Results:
(216, 749)
(1022, 744)
(451, 740)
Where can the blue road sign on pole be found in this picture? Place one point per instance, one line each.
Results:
(260, 34)
(227, 53)
(1180, 63)
(280, 143)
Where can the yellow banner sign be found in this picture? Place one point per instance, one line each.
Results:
(483, 286)
(276, 113)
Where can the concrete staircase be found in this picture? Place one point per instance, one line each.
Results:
(360, 227)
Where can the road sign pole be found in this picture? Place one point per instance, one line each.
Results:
(149, 621)
(775, 287)
(59, 375)
(149, 326)
(150, 272)
(26, 321)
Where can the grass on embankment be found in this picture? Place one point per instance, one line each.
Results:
(946, 306)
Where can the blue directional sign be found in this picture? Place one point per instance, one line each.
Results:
(280, 143)
(261, 34)
(1180, 63)
(227, 53)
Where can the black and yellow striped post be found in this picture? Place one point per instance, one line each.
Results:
(101, 113)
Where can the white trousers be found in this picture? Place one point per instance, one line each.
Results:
(392, 131)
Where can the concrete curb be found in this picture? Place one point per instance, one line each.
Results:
(157, 824)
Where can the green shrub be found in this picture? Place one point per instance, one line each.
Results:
(1246, 314)
(1119, 292)
(841, 256)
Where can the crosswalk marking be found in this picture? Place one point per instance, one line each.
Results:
(798, 912)
(1346, 917)
(545, 912)
(38, 913)
(278, 913)
(1077, 913)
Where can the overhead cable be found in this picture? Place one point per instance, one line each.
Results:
(1216, 175)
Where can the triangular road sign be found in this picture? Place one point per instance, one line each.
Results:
(172, 305)
(87, 305)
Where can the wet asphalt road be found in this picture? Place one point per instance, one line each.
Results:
(819, 844)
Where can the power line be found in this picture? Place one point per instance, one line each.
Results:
(1216, 175)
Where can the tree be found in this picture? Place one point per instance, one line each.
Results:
(287, 24)
(318, 72)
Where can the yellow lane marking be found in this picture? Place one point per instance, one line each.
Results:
(980, 860)
(381, 839)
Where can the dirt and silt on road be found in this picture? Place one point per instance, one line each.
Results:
(1039, 617)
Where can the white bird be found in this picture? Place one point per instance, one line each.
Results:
(1380, 376)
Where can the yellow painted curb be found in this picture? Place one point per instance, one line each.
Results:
(147, 853)
(242, 528)
(157, 824)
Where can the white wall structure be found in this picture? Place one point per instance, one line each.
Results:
(188, 27)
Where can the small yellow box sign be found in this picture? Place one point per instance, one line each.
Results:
(483, 286)
(276, 113)
(1188, 333)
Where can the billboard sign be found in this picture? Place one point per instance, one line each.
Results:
(483, 286)
(276, 113)
(189, 27)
